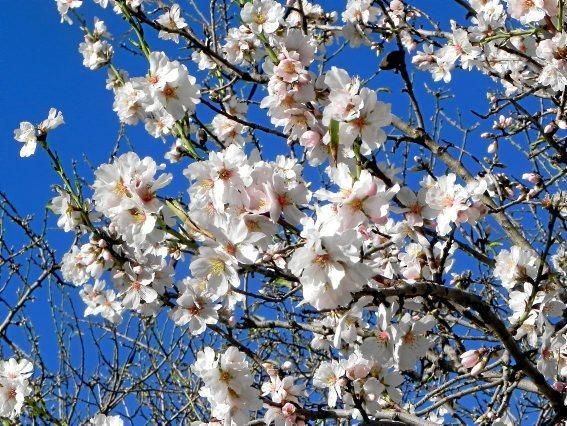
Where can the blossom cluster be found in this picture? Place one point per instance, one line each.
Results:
(14, 386)
(228, 385)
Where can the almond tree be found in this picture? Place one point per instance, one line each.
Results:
(331, 241)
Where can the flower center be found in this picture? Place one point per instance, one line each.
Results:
(217, 266)
(137, 215)
(409, 338)
(322, 259)
(169, 92)
(225, 174)
(230, 249)
(560, 53)
(260, 18)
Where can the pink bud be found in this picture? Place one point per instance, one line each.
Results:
(342, 382)
(549, 128)
(492, 147)
(106, 255)
(534, 178)
(287, 365)
(470, 358)
(270, 369)
(288, 409)
(560, 386)
(477, 368)
(358, 371)
(310, 139)
(232, 321)
(486, 135)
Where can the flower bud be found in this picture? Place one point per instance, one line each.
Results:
(310, 139)
(106, 255)
(270, 368)
(472, 359)
(534, 178)
(492, 147)
(288, 409)
(287, 365)
(549, 128)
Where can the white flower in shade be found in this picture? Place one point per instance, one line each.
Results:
(415, 208)
(473, 360)
(242, 46)
(262, 16)
(96, 53)
(344, 101)
(514, 266)
(283, 390)
(70, 216)
(329, 376)
(138, 286)
(380, 346)
(171, 20)
(195, 308)
(101, 302)
(73, 268)
(104, 420)
(285, 198)
(350, 322)
(553, 55)
(411, 341)
(328, 266)
(550, 353)
(299, 46)
(227, 130)
(129, 103)
(218, 268)
(227, 385)
(429, 60)
(203, 61)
